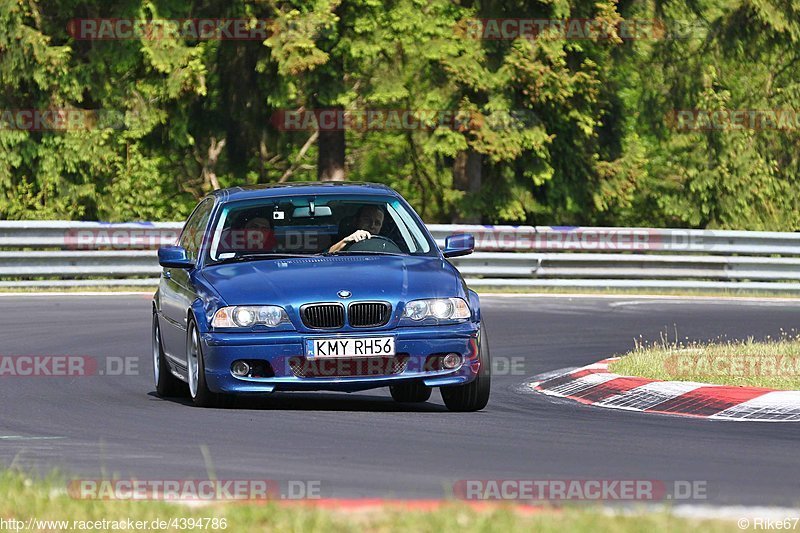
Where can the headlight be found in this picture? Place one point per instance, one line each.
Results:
(441, 308)
(417, 310)
(245, 316)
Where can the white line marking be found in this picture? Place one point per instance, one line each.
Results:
(774, 299)
(761, 303)
(538, 378)
(778, 406)
(727, 512)
(648, 395)
(580, 384)
(97, 293)
(21, 437)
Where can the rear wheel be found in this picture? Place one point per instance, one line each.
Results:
(474, 395)
(166, 383)
(410, 392)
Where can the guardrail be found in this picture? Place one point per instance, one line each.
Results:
(59, 253)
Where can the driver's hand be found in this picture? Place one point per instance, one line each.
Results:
(358, 236)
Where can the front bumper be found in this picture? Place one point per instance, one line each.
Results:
(282, 350)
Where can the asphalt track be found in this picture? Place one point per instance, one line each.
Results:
(365, 445)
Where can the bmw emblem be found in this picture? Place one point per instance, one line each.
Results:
(344, 294)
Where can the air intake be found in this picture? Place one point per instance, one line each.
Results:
(369, 314)
(323, 316)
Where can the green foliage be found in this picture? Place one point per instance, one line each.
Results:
(565, 131)
(737, 57)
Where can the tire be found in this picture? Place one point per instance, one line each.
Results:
(196, 370)
(410, 392)
(474, 395)
(167, 385)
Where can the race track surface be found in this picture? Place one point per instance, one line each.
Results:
(364, 444)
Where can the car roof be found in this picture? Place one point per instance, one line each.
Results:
(270, 190)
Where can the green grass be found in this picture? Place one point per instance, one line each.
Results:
(22, 498)
(774, 363)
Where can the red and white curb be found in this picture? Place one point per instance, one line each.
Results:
(595, 385)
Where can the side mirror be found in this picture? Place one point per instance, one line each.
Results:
(458, 245)
(174, 257)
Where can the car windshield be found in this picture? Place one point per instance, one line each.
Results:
(289, 226)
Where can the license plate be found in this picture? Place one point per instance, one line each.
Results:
(351, 347)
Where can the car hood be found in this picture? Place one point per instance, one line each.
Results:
(316, 279)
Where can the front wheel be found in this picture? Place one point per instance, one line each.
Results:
(196, 370)
(474, 395)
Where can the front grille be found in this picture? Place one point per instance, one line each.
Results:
(348, 367)
(323, 316)
(369, 314)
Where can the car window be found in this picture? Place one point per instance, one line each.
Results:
(193, 231)
(314, 225)
(410, 231)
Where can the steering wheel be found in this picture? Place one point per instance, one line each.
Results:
(377, 243)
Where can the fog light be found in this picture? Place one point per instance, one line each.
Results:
(451, 360)
(240, 368)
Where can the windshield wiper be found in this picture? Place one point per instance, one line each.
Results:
(356, 252)
(258, 257)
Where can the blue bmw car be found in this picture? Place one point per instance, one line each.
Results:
(318, 286)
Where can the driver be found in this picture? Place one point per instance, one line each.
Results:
(258, 235)
(370, 220)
